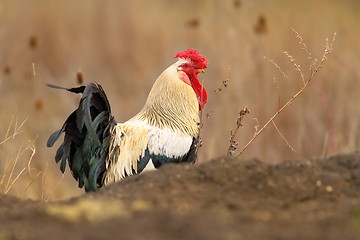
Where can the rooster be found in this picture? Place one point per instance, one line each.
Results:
(100, 151)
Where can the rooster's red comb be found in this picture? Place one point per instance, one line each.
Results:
(198, 60)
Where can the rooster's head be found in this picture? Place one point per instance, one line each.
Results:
(193, 65)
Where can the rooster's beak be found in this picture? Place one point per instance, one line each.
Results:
(200, 70)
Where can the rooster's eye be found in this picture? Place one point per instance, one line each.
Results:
(185, 65)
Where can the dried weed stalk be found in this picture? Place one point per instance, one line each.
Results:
(283, 137)
(233, 143)
(314, 68)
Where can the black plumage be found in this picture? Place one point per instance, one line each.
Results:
(87, 137)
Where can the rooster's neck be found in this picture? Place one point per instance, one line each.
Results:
(172, 104)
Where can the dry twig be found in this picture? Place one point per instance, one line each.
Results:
(283, 137)
(313, 71)
(233, 144)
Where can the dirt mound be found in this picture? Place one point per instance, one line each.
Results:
(221, 199)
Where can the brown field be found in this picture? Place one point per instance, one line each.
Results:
(125, 45)
(220, 199)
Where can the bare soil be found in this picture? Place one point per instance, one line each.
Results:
(221, 199)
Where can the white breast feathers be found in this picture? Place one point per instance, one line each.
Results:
(169, 143)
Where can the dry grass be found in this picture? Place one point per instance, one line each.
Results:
(10, 174)
(114, 43)
(314, 69)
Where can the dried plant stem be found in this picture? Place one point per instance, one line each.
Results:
(283, 137)
(33, 152)
(15, 179)
(17, 131)
(296, 66)
(32, 181)
(277, 67)
(8, 175)
(313, 72)
(43, 182)
(278, 92)
(6, 168)
(233, 144)
(273, 117)
(325, 145)
(8, 129)
(19, 153)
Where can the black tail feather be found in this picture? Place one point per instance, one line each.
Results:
(87, 136)
(79, 89)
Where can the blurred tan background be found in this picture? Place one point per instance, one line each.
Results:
(125, 45)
